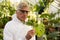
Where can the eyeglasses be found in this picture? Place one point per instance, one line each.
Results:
(24, 11)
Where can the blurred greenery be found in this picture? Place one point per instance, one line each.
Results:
(41, 5)
(6, 11)
(53, 22)
(1, 34)
(49, 20)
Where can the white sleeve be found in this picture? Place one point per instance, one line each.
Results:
(7, 35)
(33, 38)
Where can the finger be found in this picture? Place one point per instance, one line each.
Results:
(31, 33)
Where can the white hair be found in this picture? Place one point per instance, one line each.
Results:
(21, 5)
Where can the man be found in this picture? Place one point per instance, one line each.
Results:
(16, 29)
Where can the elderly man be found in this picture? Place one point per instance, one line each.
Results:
(16, 29)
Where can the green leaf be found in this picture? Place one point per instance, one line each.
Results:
(40, 30)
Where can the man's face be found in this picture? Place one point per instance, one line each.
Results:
(22, 13)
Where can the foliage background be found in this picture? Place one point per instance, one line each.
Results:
(42, 15)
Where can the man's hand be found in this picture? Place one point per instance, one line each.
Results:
(30, 34)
